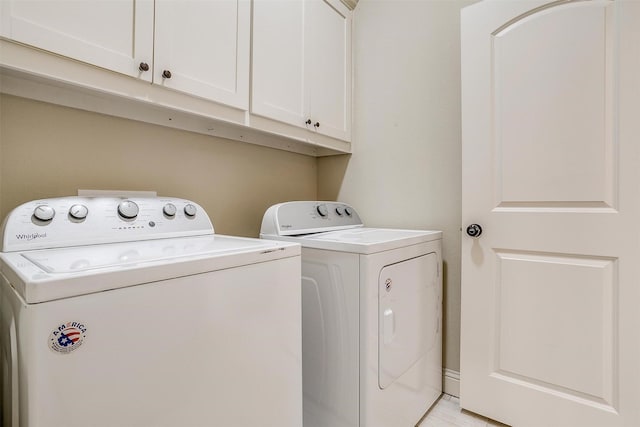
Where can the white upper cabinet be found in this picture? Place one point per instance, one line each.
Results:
(278, 79)
(328, 62)
(302, 64)
(202, 48)
(187, 64)
(116, 35)
(202, 45)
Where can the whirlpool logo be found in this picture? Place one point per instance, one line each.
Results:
(31, 236)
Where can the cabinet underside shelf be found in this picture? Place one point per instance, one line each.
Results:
(77, 85)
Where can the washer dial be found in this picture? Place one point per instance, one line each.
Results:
(78, 211)
(44, 213)
(190, 210)
(169, 210)
(128, 209)
(340, 210)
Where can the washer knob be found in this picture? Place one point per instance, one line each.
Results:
(190, 210)
(348, 211)
(44, 213)
(169, 209)
(322, 210)
(78, 211)
(128, 209)
(340, 210)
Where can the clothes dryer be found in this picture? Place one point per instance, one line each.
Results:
(371, 315)
(133, 312)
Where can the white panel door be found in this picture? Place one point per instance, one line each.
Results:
(116, 35)
(328, 63)
(202, 48)
(550, 295)
(278, 78)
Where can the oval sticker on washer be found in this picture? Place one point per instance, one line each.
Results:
(67, 337)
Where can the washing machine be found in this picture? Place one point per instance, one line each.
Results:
(133, 313)
(371, 315)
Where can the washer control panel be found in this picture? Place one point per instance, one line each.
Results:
(73, 221)
(305, 217)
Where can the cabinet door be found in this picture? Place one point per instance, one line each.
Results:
(278, 61)
(117, 35)
(205, 47)
(328, 61)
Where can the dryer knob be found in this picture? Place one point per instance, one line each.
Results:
(128, 209)
(340, 210)
(169, 210)
(322, 210)
(190, 210)
(348, 211)
(44, 213)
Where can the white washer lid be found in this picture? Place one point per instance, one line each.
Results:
(79, 259)
(365, 240)
(48, 274)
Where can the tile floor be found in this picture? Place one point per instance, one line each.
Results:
(447, 413)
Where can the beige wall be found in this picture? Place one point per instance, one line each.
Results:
(49, 151)
(405, 169)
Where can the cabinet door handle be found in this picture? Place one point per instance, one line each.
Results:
(316, 125)
(143, 66)
(308, 121)
(166, 74)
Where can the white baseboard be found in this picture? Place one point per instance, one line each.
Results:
(451, 382)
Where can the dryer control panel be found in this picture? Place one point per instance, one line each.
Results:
(306, 217)
(74, 221)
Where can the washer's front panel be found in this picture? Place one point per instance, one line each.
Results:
(10, 390)
(215, 349)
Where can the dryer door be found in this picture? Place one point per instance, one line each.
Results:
(407, 317)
